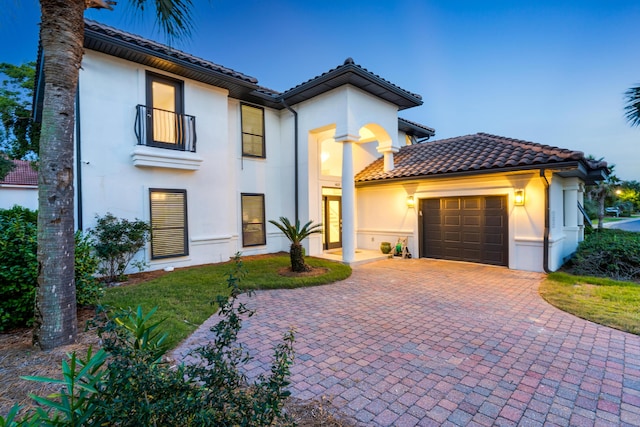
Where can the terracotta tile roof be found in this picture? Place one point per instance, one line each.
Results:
(478, 152)
(22, 174)
(164, 49)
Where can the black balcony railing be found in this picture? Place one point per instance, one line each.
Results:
(165, 129)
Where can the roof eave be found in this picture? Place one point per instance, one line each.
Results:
(237, 87)
(562, 168)
(355, 76)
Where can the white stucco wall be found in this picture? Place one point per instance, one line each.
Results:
(110, 89)
(21, 195)
(383, 214)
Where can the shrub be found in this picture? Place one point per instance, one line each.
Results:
(608, 253)
(127, 383)
(116, 242)
(19, 268)
(88, 289)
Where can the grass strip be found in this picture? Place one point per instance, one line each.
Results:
(185, 297)
(604, 301)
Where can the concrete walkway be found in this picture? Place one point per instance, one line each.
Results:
(423, 342)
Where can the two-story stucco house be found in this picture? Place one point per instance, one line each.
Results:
(208, 156)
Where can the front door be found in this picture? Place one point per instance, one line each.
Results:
(332, 217)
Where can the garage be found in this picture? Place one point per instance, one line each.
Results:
(470, 228)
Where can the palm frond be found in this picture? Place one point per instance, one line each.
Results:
(632, 107)
(173, 16)
(295, 233)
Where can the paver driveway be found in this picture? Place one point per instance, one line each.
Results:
(425, 342)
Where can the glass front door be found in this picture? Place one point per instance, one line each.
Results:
(332, 216)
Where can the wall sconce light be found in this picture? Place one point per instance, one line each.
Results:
(410, 202)
(518, 197)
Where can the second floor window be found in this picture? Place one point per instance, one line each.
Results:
(252, 131)
(164, 110)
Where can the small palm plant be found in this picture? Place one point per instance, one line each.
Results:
(296, 235)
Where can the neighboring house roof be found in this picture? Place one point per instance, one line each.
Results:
(22, 174)
(480, 153)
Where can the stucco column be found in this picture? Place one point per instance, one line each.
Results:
(388, 153)
(348, 204)
(571, 229)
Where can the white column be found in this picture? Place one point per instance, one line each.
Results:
(348, 204)
(388, 153)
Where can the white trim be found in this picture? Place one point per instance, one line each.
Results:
(144, 156)
(19, 186)
(205, 240)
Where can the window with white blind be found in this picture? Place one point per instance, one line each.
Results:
(253, 224)
(168, 223)
(252, 131)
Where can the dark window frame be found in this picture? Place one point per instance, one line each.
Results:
(151, 77)
(243, 133)
(262, 223)
(186, 222)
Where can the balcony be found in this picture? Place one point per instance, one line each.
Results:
(174, 133)
(165, 129)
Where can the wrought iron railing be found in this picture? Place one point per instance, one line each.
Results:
(165, 129)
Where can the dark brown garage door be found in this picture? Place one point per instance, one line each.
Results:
(465, 229)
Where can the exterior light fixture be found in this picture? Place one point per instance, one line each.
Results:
(518, 197)
(410, 202)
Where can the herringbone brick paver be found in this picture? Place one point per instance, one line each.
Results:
(425, 342)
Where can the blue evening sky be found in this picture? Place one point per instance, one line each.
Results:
(548, 71)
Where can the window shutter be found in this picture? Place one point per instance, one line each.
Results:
(168, 223)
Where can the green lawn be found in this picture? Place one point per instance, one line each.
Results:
(185, 297)
(604, 301)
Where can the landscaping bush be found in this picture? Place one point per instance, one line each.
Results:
(608, 253)
(19, 268)
(127, 383)
(116, 242)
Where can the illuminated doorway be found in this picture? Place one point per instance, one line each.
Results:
(331, 218)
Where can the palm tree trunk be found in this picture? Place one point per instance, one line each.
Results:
(296, 254)
(61, 38)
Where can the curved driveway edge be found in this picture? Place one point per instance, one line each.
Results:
(424, 342)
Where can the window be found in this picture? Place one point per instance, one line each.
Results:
(165, 112)
(253, 224)
(252, 131)
(168, 223)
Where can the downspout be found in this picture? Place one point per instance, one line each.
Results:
(295, 155)
(545, 244)
(78, 160)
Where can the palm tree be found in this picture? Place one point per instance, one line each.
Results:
(296, 235)
(632, 109)
(61, 41)
(605, 188)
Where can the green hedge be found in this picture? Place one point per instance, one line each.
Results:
(608, 253)
(19, 268)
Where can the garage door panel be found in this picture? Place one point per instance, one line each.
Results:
(452, 220)
(494, 202)
(472, 237)
(466, 229)
(472, 203)
(472, 220)
(452, 204)
(452, 237)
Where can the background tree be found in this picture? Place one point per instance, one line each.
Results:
(61, 40)
(18, 132)
(605, 189)
(632, 107)
(296, 235)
